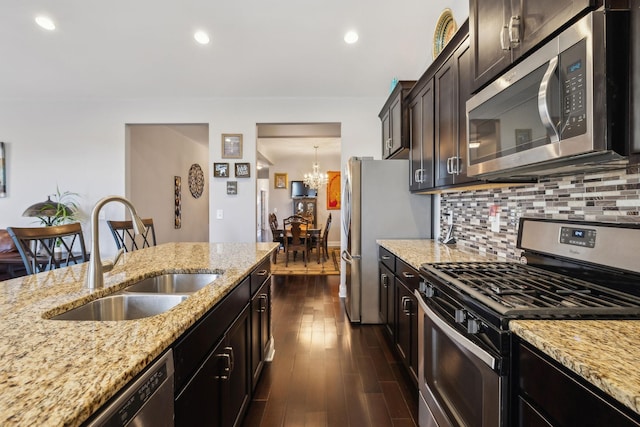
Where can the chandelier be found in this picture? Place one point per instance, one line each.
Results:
(315, 179)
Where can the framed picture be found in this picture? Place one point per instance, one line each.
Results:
(523, 136)
(231, 145)
(242, 170)
(279, 180)
(221, 170)
(232, 187)
(333, 190)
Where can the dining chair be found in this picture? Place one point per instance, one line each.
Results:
(278, 235)
(297, 237)
(319, 241)
(125, 236)
(38, 246)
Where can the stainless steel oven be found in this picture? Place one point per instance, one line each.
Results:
(560, 109)
(461, 381)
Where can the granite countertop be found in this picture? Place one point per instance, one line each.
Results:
(416, 252)
(56, 372)
(603, 352)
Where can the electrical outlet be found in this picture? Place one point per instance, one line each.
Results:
(219, 214)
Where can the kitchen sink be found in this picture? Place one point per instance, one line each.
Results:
(173, 283)
(123, 307)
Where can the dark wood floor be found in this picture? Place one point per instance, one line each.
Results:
(326, 371)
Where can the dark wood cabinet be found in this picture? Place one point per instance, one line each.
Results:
(218, 393)
(548, 394)
(398, 308)
(452, 89)
(421, 138)
(395, 122)
(260, 329)
(502, 31)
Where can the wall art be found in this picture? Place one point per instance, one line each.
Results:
(221, 170)
(177, 189)
(196, 180)
(333, 190)
(231, 145)
(232, 188)
(280, 180)
(242, 170)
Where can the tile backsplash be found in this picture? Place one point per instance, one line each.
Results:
(612, 196)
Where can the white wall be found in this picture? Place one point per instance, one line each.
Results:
(157, 153)
(79, 144)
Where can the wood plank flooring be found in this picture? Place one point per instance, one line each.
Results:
(326, 371)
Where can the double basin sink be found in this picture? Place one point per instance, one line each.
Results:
(148, 297)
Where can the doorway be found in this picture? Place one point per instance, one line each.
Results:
(288, 151)
(155, 155)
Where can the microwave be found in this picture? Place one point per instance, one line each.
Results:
(561, 110)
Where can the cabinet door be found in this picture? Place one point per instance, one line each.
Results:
(396, 127)
(236, 400)
(260, 329)
(386, 133)
(487, 20)
(446, 122)
(407, 328)
(386, 298)
(421, 116)
(542, 18)
(462, 58)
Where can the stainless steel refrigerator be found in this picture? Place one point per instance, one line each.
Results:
(377, 205)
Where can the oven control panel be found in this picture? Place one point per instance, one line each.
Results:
(584, 237)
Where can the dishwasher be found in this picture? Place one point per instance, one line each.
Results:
(147, 401)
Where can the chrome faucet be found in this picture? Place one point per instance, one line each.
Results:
(95, 278)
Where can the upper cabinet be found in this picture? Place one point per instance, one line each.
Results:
(395, 122)
(502, 31)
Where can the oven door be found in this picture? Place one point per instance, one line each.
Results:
(459, 383)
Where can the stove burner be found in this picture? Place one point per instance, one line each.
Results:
(517, 290)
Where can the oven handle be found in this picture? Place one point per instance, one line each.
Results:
(456, 336)
(543, 104)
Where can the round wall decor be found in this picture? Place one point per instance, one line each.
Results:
(445, 30)
(196, 180)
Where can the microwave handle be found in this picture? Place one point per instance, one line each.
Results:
(543, 105)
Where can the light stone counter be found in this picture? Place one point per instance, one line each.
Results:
(419, 251)
(55, 372)
(604, 352)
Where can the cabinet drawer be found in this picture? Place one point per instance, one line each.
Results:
(191, 349)
(408, 275)
(260, 274)
(387, 258)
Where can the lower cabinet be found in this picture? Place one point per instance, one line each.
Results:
(398, 308)
(548, 394)
(218, 361)
(260, 329)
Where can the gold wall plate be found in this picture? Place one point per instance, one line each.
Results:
(445, 30)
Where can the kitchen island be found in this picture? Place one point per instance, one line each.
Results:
(56, 372)
(603, 352)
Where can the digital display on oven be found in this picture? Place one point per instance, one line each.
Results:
(584, 237)
(574, 67)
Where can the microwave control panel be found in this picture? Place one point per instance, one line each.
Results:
(572, 74)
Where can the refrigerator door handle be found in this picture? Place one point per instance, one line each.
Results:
(347, 257)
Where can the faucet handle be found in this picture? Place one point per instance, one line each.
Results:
(108, 265)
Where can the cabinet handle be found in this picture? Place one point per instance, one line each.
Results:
(406, 306)
(261, 273)
(385, 257)
(514, 31)
(408, 275)
(504, 38)
(390, 143)
(263, 306)
(227, 368)
(384, 279)
(421, 175)
(449, 166)
(231, 359)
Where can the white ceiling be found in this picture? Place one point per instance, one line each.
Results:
(259, 48)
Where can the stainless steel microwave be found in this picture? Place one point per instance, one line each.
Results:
(562, 109)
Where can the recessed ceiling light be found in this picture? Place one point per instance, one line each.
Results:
(201, 37)
(45, 23)
(351, 37)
